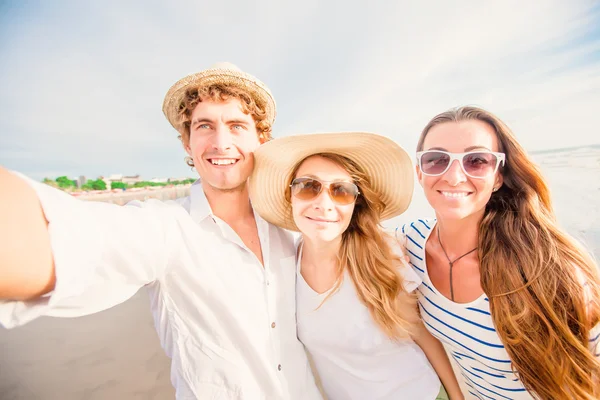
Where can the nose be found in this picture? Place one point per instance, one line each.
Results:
(323, 200)
(455, 174)
(222, 139)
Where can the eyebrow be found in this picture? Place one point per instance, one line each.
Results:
(477, 148)
(319, 179)
(470, 148)
(210, 121)
(237, 121)
(202, 121)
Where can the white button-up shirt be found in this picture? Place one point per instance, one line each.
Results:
(227, 323)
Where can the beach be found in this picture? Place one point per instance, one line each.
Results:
(115, 354)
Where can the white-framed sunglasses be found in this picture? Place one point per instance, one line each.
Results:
(476, 164)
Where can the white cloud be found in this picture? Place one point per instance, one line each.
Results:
(83, 83)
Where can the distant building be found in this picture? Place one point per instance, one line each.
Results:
(159, 180)
(80, 181)
(130, 180)
(115, 177)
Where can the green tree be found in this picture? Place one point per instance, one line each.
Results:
(50, 182)
(97, 184)
(64, 182)
(183, 182)
(118, 185)
(148, 183)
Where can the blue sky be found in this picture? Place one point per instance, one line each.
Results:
(83, 82)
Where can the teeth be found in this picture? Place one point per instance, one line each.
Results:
(455, 194)
(223, 161)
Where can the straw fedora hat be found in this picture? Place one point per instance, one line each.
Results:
(220, 73)
(388, 166)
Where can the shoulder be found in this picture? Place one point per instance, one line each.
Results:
(410, 279)
(417, 230)
(288, 241)
(184, 202)
(171, 214)
(174, 206)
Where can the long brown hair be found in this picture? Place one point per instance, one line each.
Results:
(367, 255)
(543, 287)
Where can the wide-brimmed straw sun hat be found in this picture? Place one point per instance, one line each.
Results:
(220, 73)
(388, 166)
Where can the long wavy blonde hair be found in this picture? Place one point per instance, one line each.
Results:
(543, 287)
(367, 255)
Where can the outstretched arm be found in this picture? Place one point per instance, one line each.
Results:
(26, 265)
(65, 257)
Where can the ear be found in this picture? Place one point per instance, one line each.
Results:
(419, 175)
(188, 149)
(499, 180)
(262, 138)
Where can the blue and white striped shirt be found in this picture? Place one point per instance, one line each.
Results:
(466, 330)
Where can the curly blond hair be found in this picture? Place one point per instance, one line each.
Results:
(220, 93)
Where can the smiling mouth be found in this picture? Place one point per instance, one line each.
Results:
(222, 161)
(454, 195)
(321, 220)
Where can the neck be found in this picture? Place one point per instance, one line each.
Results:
(229, 205)
(318, 252)
(459, 236)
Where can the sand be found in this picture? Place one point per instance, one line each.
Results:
(113, 354)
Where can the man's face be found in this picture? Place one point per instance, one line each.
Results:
(222, 141)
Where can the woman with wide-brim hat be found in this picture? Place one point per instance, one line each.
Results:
(355, 302)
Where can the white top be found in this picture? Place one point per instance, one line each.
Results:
(227, 323)
(467, 330)
(352, 356)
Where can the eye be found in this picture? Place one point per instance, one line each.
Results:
(238, 127)
(309, 184)
(479, 159)
(340, 189)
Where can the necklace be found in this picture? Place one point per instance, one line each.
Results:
(451, 263)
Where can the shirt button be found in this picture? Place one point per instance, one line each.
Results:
(279, 367)
(268, 283)
(273, 325)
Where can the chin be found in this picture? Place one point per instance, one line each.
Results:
(455, 214)
(318, 234)
(227, 186)
(328, 238)
(325, 236)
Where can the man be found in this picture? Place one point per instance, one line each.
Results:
(221, 279)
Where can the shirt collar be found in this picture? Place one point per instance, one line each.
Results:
(199, 206)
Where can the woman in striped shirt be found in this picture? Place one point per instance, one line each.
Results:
(514, 299)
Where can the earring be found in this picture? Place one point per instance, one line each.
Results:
(495, 189)
(189, 161)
